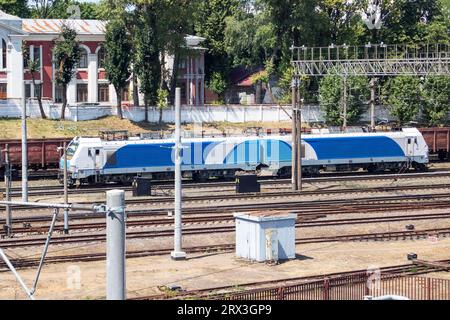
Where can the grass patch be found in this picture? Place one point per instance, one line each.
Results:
(38, 128)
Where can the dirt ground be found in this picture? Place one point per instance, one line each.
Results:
(145, 275)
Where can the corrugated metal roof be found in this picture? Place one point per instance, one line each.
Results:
(52, 26)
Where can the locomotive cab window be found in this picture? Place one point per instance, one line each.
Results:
(71, 149)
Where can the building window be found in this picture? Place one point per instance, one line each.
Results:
(3, 91)
(26, 56)
(182, 63)
(101, 55)
(103, 92)
(83, 63)
(82, 92)
(37, 88)
(4, 54)
(27, 90)
(37, 54)
(58, 94)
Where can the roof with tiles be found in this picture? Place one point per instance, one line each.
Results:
(53, 26)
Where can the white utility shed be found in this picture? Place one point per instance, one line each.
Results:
(265, 236)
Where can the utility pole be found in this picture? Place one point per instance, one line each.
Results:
(8, 225)
(294, 136)
(66, 193)
(177, 253)
(24, 147)
(372, 103)
(299, 139)
(344, 103)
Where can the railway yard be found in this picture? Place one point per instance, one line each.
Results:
(345, 223)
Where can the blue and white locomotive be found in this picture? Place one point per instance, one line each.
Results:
(93, 160)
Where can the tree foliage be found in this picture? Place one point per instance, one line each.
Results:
(217, 84)
(436, 96)
(117, 63)
(402, 96)
(210, 23)
(67, 55)
(331, 98)
(15, 7)
(63, 9)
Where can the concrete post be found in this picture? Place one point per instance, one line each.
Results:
(294, 136)
(66, 192)
(115, 245)
(24, 148)
(8, 191)
(299, 139)
(177, 253)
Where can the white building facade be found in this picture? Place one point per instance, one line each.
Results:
(33, 39)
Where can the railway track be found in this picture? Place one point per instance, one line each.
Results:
(204, 229)
(164, 185)
(280, 195)
(21, 263)
(304, 221)
(323, 207)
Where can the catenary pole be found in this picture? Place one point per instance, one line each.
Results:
(8, 191)
(299, 139)
(66, 192)
(177, 253)
(294, 136)
(24, 148)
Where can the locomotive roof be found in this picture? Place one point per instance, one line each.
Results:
(99, 142)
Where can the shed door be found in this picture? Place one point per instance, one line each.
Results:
(271, 245)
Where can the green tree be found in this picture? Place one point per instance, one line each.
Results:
(117, 63)
(162, 102)
(218, 84)
(34, 67)
(402, 96)
(436, 95)
(147, 54)
(64, 9)
(67, 55)
(331, 98)
(210, 23)
(15, 7)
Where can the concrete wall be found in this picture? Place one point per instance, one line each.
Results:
(234, 113)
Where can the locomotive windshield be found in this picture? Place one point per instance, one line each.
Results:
(71, 149)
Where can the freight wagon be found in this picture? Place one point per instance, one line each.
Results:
(438, 141)
(42, 153)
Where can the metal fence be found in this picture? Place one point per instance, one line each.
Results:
(352, 287)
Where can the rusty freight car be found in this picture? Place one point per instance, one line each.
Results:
(438, 141)
(42, 153)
